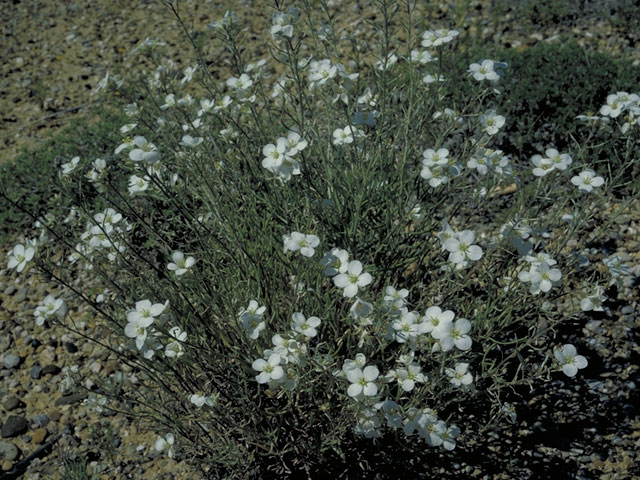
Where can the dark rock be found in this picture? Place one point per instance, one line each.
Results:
(51, 370)
(71, 399)
(35, 343)
(71, 348)
(36, 371)
(14, 426)
(12, 403)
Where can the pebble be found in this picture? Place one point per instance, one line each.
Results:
(10, 290)
(12, 403)
(71, 348)
(39, 435)
(39, 421)
(70, 399)
(51, 370)
(36, 371)
(11, 360)
(8, 451)
(21, 295)
(14, 426)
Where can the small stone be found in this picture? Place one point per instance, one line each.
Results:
(21, 295)
(51, 370)
(71, 348)
(35, 343)
(14, 426)
(55, 415)
(11, 360)
(36, 371)
(39, 435)
(8, 451)
(70, 399)
(39, 421)
(10, 290)
(12, 403)
(7, 465)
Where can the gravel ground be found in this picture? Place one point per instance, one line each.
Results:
(54, 53)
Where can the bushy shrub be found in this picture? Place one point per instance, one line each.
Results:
(547, 87)
(29, 179)
(319, 249)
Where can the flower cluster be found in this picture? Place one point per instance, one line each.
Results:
(436, 166)
(540, 275)
(279, 158)
(105, 234)
(553, 160)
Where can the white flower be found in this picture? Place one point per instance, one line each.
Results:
(541, 276)
(137, 328)
(559, 160)
(282, 22)
(145, 151)
(613, 108)
(362, 381)
(300, 241)
(484, 71)
(50, 306)
(448, 437)
(335, 261)
(406, 327)
(542, 165)
(295, 143)
(360, 310)
(407, 377)
(491, 122)
(269, 369)
(594, 301)
(459, 375)
(434, 317)
(428, 78)
(569, 360)
(587, 180)
(352, 279)
(175, 348)
(199, 399)
(107, 217)
(461, 248)
(165, 443)
(189, 141)
(320, 71)
(179, 264)
(449, 334)
(138, 184)
(19, 256)
(251, 319)
(438, 37)
(342, 136)
(305, 326)
(188, 74)
(240, 84)
(69, 167)
(387, 63)
(421, 56)
(432, 157)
